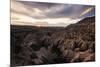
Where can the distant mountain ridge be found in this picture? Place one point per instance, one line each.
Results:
(82, 23)
(87, 20)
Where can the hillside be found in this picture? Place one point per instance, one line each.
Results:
(51, 45)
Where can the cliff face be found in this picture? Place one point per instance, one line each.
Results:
(33, 46)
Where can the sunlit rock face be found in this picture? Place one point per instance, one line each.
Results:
(32, 45)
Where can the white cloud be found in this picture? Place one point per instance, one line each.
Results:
(22, 14)
(61, 20)
(25, 9)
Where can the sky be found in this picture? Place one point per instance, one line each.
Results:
(48, 14)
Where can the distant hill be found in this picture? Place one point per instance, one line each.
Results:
(84, 28)
(87, 20)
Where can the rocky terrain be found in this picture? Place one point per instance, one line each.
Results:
(32, 45)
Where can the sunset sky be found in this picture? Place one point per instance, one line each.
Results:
(48, 14)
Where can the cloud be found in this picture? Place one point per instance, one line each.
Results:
(24, 12)
(50, 10)
(67, 10)
(86, 11)
(20, 8)
(22, 17)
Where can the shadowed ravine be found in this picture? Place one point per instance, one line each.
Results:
(32, 45)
